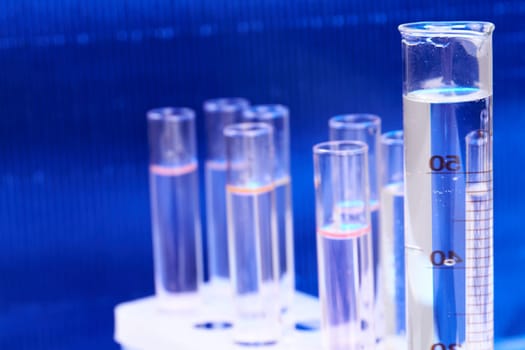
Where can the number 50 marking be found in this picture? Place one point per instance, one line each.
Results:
(440, 163)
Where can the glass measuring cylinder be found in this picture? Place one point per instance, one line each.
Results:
(344, 245)
(367, 128)
(175, 206)
(252, 233)
(278, 117)
(219, 113)
(392, 291)
(447, 117)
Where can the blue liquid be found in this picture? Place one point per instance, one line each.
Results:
(176, 229)
(217, 229)
(436, 124)
(393, 258)
(254, 270)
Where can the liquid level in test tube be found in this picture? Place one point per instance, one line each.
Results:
(346, 284)
(251, 243)
(217, 226)
(393, 253)
(443, 279)
(176, 230)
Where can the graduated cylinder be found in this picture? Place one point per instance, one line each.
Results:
(447, 117)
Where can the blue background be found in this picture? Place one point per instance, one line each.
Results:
(76, 78)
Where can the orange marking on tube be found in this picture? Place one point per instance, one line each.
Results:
(249, 190)
(345, 234)
(172, 171)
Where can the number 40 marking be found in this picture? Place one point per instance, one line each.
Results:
(440, 258)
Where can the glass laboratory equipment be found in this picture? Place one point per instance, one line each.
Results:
(344, 245)
(367, 128)
(219, 113)
(447, 118)
(175, 206)
(278, 117)
(252, 233)
(392, 291)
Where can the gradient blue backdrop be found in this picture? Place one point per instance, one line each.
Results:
(77, 76)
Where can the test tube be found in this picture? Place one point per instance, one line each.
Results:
(278, 117)
(175, 206)
(219, 113)
(367, 128)
(252, 233)
(392, 238)
(479, 254)
(344, 247)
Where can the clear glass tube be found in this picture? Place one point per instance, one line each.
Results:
(278, 117)
(447, 102)
(392, 293)
(252, 233)
(175, 206)
(479, 276)
(367, 128)
(344, 245)
(219, 113)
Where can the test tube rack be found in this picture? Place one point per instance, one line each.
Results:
(141, 325)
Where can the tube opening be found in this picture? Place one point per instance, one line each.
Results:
(354, 121)
(266, 112)
(173, 114)
(247, 129)
(341, 148)
(225, 104)
(392, 137)
(454, 28)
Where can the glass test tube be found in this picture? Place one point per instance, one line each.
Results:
(393, 238)
(219, 113)
(175, 206)
(252, 233)
(278, 117)
(479, 255)
(447, 118)
(367, 128)
(344, 247)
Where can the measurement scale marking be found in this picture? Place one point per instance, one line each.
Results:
(471, 220)
(479, 182)
(483, 331)
(473, 314)
(476, 248)
(459, 172)
(482, 303)
(459, 267)
(479, 229)
(479, 210)
(480, 200)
